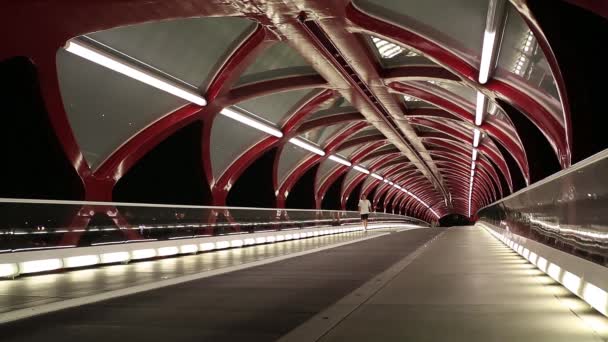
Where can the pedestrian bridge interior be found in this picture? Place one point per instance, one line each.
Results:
(191, 170)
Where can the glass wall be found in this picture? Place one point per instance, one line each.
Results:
(36, 225)
(567, 211)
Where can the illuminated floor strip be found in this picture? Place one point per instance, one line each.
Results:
(69, 303)
(596, 297)
(176, 247)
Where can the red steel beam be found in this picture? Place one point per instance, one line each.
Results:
(560, 136)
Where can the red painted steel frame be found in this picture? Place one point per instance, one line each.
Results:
(332, 145)
(559, 136)
(224, 183)
(49, 18)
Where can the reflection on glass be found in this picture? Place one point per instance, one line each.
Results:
(389, 50)
(39, 226)
(566, 212)
(522, 56)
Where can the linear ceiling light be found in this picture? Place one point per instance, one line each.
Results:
(377, 176)
(480, 109)
(474, 156)
(307, 146)
(473, 166)
(470, 195)
(494, 23)
(476, 136)
(340, 160)
(360, 169)
(98, 57)
(249, 121)
(487, 52)
(434, 213)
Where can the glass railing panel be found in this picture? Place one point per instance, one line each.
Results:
(566, 211)
(27, 225)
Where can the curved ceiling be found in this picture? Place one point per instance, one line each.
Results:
(395, 95)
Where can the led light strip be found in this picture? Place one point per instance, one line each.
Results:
(479, 113)
(307, 146)
(593, 295)
(480, 109)
(490, 45)
(11, 270)
(476, 137)
(340, 160)
(98, 57)
(249, 121)
(360, 169)
(487, 52)
(493, 27)
(377, 176)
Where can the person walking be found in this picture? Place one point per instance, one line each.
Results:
(364, 209)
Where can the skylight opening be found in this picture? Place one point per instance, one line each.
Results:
(526, 50)
(408, 98)
(386, 49)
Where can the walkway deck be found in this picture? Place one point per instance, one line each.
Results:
(467, 286)
(32, 291)
(259, 304)
(417, 285)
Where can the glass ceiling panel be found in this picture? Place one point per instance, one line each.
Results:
(342, 102)
(278, 60)
(368, 162)
(321, 134)
(464, 92)
(332, 111)
(413, 103)
(384, 169)
(278, 106)
(328, 104)
(459, 24)
(229, 140)
(410, 99)
(350, 175)
(392, 55)
(522, 60)
(347, 152)
(423, 129)
(366, 184)
(106, 108)
(391, 148)
(289, 159)
(189, 49)
(323, 171)
(495, 110)
(367, 131)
